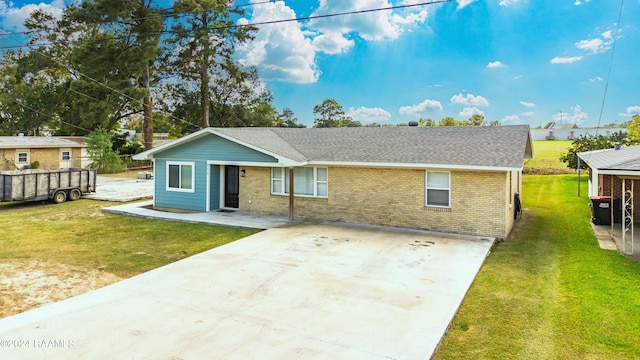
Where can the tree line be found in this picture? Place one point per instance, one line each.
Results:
(106, 63)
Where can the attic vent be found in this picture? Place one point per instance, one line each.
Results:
(284, 125)
(617, 146)
(413, 123)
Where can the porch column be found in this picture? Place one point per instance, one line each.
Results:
(627, 220)
(291, 215)
(611, 207)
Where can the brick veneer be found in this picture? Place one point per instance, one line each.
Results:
(480, 201)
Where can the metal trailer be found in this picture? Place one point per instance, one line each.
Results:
(57, 185)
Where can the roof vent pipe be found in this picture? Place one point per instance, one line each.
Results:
(617, 146)
(413, 123)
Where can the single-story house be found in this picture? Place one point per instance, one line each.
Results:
(613, 173)
(51, 152)
(450, 179)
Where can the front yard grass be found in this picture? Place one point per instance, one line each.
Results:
(78, 233)
(549, 291)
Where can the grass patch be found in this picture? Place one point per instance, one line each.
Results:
(78, 233)
(546, 159)
(550, 292)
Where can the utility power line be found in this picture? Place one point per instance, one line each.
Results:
(261, 23)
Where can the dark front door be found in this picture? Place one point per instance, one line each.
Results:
(231, 186)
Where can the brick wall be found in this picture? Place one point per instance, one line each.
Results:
(49, 158)
(605, 189)
(480, 202)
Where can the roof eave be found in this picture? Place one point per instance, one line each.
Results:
(413, 165)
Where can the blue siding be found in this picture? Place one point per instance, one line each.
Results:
(215, 187)
(207, 148)
(181, 200)
(212, 147)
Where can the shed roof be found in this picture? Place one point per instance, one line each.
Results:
(11, 142)
(503, 147)
(624, 159)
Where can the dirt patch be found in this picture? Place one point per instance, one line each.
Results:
(27, 284)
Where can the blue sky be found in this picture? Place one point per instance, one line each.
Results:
(516, 61)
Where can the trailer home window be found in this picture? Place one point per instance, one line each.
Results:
(23, 157)
(180, 176)
(66, 155)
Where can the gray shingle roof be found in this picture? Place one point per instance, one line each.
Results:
(485, 146)
(462, 147)
(610, 159)
(10, 142)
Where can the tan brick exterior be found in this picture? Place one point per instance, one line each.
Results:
(481, 203)
(49, 158)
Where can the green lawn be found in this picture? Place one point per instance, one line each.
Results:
(78, 233)
(546, 158)
(549, 291)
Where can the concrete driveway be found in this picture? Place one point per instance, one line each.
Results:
(323, 291)
(121, 189)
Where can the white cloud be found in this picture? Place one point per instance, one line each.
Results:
(508, 2)
(12, 18)
(369, 115)
(566, 60)
(332, 43)
(495, 64)
(527, 104)
(511, 118)
(518, 77)
(579, 2)
(420, 109)
(597, 44)
(631, 111)
(577, 117)
(527, 113)
(334, 33)
(596, 79)
(469, 99)
(470, 111)
(463, 3)
(280, 51)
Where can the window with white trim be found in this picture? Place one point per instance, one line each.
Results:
(65, 155)
(438, 189)
(23, 157)
(180, 176)
(307, 181)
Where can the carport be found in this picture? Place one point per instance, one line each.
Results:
(614, 173)
(314, 291)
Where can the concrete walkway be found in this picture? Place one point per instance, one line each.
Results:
(325, 291)
(238, 219)
(610, 237)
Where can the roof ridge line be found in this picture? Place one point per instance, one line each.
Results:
(272, 130)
